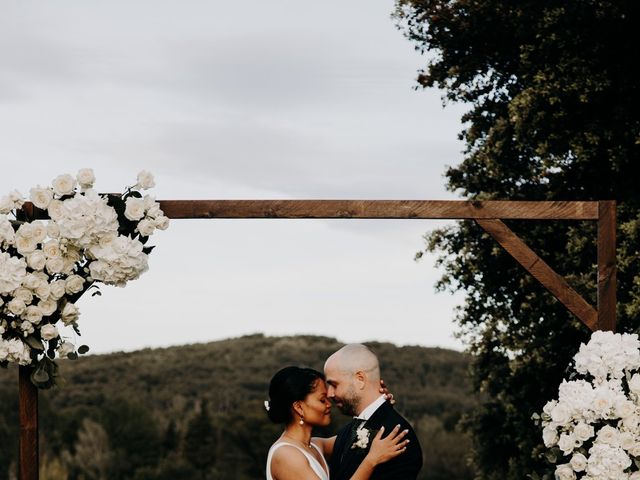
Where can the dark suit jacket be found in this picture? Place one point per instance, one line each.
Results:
(345, 460)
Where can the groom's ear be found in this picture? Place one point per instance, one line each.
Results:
(361, 379)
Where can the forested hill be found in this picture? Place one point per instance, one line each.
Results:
(196, 411)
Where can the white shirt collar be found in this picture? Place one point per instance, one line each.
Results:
(367, 412)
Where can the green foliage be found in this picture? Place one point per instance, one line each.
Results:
(553, 115)
(196, 412)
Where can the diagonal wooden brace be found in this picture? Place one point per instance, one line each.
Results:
(542, 272)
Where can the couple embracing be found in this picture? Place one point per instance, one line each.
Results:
(377, 444)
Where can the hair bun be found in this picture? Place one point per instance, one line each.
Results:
(289, 385)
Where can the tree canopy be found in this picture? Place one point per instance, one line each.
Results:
(553, 115)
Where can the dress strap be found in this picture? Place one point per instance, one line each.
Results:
(324, 460)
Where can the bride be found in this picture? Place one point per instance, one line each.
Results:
(298, 399)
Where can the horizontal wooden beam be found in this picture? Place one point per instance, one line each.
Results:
(542, 272)
(419, 209)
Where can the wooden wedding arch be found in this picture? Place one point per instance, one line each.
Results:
(488, 214)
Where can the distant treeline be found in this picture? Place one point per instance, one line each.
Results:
(196, 412)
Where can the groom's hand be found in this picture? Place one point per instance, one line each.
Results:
(385, 391)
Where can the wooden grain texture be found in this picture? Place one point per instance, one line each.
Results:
(541, 271)
(399, 209)
(28, 406)
(607, 265)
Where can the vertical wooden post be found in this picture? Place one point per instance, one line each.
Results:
(28, 468)
(607, 265)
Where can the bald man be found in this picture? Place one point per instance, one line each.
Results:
(353, 382)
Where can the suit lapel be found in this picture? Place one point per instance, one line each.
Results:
(352, 457)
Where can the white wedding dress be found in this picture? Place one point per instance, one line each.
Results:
(319, 470)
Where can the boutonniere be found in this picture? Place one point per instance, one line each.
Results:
(363, 435)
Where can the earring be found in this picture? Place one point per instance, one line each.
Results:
(301, 420)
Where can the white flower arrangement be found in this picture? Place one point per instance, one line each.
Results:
(46, 265)
(593, 427)
(362, 437)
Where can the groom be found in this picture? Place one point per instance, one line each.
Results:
(353, 382)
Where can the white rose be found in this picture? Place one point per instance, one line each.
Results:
(57, 289)
(65, 348)
(64, 185)
(41, 196)
(6, 204)
(634, 476)
(56, 209)
(51, 249)
(70, 314)
(16, 306)
(25, 230)
(560, 414)
(162, 223)
(49, 332)
(609, 435)
(134, 209)
(7, 234)
(27, 328)
(635, 449)
(74, 284)
(145, 180)
(33, 314)
(48, 307)
(149, 202)
(578, 462)
(16, 197)
(145, 227)
(583, 431)
(627, 440)
(55, 264)
(565, 472)
(53, 230)
(38, 231)
(86, 218)
(36, 260)
(43, 291)
(44, 278)
(567, 443)
(549, 436)
(634, 384)
(32, 281)
(12, 272)
(625, 408)
(631, 423)
(25, 245)
(23, 294)
(86, 178)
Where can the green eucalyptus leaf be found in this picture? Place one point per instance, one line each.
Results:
(34, 343)
(82, 349)
(40, 376)
(550, 456)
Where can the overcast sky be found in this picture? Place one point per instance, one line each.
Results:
(226, 100)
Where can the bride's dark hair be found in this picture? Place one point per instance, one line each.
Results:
(290, 385)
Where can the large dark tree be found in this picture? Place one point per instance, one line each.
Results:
(554, 114)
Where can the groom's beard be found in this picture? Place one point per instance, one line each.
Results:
(349, 403)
